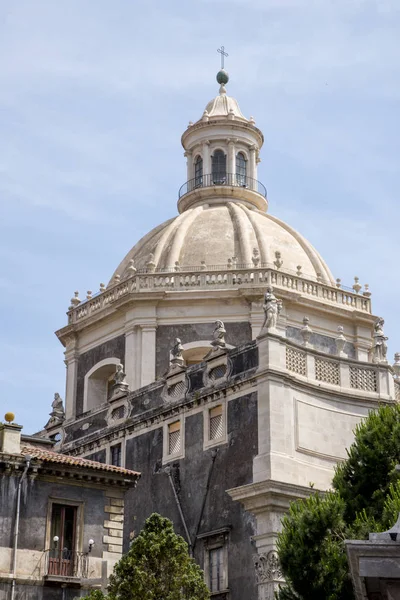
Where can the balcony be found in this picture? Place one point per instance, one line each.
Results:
(65, 565)
(223, 179)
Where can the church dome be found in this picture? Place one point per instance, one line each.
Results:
(215, 236)
(223, 221)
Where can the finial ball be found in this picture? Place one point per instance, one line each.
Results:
(222, 77)
(9, 417)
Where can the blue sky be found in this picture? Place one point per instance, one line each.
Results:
(94, 97)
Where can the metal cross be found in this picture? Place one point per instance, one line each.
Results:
(223, 54)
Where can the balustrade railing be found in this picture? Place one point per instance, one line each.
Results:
(228, 179)
(66, 563)
(219, 279)
(338, 371)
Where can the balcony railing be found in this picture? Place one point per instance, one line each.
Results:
(228, 179)
(65, 563)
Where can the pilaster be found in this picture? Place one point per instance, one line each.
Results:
(206, 157)
(131, 356)
(148, 353)
(189, 164)
(252, 162)
(231, 166)
(71, 363)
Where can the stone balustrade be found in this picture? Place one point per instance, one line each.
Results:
(341, 373)
(221, 279)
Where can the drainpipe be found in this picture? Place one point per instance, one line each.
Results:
(16, 526)
(168, 471)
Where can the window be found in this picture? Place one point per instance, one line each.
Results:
(198, 172)
(219, 167)
(215, 425)
(216, 430)
(174, 438)
(63, 540)
(216, 569)
(116, 455)
(241, 169)
(216, 559)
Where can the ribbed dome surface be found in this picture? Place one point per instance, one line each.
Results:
(220, 232)
(222, 105)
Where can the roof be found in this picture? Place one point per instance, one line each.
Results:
(210, 233)
(65, 459)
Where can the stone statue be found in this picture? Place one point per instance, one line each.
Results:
(177, 354)
(57, 414)
(379, 347)
(120, 376)
(57, 405)
(272, 307)
(120, 385)
(219, 335)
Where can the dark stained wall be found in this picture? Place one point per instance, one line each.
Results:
(232, 468)
(33, 525)
(87, 360)
(236, 334)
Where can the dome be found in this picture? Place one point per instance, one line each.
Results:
(218, 233)
(224, 106)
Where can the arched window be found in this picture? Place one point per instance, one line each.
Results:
(219, 167)
(198, 172)
(99, 383)
(241, 169)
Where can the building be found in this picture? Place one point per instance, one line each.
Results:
(224, 361)
(61, 519)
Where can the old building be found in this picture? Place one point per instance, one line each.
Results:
(61, 519)
(223, 361)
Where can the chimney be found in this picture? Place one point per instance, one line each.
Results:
(10, 436)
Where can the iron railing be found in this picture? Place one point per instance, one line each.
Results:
(228, 179)
(65, 563)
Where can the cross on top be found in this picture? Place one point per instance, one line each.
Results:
(223, 54)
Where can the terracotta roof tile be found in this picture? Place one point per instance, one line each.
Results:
(56, 457)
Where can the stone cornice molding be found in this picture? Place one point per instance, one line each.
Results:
(15, 464)
(268, 495)
(244, 126)
(141, 288)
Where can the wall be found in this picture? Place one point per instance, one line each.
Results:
(31, 558)
(236, 334)
(112, 348)
(232, 467)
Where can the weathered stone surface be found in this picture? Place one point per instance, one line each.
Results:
(87, 360)
(236, 333)
(232, 468)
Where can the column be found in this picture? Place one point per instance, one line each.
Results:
(131, 357)
(71, 362)
(189, 164)
(148, 354)
(267, 568)
(252, 164)
(231, 162)
(206, 158)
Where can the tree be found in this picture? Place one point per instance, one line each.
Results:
(365, 498)
(157, 567)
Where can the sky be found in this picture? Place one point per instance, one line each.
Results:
(94, 97)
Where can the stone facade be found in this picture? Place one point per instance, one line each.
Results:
(69, 522)
(273, 364)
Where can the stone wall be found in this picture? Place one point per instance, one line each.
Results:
(232, 467)
(236, 334)
(87, 360)
(322, 343)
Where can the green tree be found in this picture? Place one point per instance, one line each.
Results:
(365, 498)
(157, 567)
